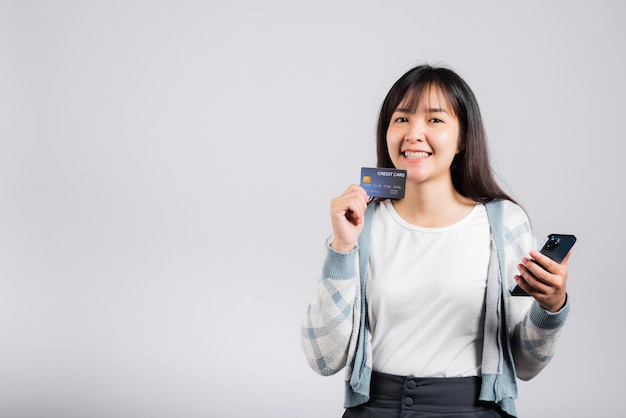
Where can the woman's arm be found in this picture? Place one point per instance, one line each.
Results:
(329, 321)
(534, 330)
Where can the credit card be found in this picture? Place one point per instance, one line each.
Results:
(386, 183)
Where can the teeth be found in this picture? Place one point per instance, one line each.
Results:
(412, 154)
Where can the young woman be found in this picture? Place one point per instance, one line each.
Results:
(415, 295)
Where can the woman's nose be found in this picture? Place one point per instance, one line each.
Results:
(415, 133)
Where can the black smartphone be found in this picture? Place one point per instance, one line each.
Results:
(556, 247)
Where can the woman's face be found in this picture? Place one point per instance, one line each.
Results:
(424, 142)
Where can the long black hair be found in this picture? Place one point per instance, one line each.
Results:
(471, 170)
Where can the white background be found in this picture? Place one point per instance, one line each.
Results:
(166, 169)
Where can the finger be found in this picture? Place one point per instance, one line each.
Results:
(351, 204)
(552, 272)
(543, 281)
(551, 301)
(356, 195)
(352, 209)
(528, 287)
(534, 283)
(359, 193)
(354, 191)
(544, 261)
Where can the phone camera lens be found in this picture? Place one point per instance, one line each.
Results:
(552, 242)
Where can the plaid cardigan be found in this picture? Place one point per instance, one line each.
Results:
(520, 337)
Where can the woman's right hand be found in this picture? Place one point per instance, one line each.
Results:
(347, 212)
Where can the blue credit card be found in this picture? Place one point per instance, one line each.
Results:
(385, 183)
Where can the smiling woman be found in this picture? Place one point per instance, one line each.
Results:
(442, 92)
(426, 322)
(406, 139)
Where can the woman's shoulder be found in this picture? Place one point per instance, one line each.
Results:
(519, 235)
(513, 208)
(515, 218)
(513, 214)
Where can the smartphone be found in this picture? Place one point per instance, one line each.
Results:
(556, 247)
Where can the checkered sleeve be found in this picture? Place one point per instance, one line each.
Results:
(328, 324)
(535, 331)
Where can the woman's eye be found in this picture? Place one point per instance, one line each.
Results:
(401, 119)
(435, 120)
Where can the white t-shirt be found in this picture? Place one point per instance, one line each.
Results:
(426, 294)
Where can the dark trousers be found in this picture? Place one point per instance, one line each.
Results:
(410, 397)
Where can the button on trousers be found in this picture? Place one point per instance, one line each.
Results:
(410, 397)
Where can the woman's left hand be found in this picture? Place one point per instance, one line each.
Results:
(547, 286)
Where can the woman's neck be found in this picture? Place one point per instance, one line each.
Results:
(433, 207)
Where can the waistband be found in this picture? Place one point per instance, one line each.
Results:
(445, 394)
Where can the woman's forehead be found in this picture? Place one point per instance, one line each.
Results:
(429, 96)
